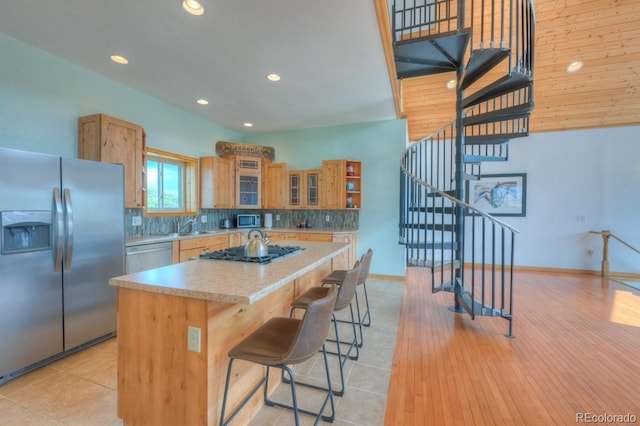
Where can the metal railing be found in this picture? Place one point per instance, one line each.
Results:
(480, 272)
(470, 252)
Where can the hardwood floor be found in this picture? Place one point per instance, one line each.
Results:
(576, 355)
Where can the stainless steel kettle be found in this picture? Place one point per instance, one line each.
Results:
(258, 246)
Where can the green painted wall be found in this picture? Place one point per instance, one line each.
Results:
(42, 96)
(378, 145)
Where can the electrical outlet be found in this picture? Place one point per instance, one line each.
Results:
(193, 339)
(136, 221)
(277, 217)
(327, 218)
(203, 218)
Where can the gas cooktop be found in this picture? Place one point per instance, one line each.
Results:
(237, 254)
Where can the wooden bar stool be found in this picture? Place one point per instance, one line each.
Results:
(337, 276)
(286, 341)
(346, 294)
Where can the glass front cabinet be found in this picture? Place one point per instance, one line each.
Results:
(248, 182)
(303, 189)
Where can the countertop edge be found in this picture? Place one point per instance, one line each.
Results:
(216, 296)
(150, 239)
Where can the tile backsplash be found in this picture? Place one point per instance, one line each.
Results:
(149, 225)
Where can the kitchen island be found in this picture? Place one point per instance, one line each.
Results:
(177, 323)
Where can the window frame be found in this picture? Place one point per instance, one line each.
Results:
(189, 182)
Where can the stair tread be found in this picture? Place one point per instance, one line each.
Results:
(494, 139)
(482, 61)
(469, 158)
(431, 54)
(433, 245)
(510, 113)
(433, 264)
(508, 83)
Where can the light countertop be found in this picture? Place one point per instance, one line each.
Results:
(228, 281)
(157, 238)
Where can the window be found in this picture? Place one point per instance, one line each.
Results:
(171, 183)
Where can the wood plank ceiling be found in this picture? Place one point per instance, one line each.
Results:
(605, 34)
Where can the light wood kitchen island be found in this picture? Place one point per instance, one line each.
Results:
(161, 381)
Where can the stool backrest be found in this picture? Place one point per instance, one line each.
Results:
(313, 329)
(347, 288)
(365, 264)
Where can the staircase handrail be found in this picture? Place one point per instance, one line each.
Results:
(614, 236)
(444, 194)
(606, 234)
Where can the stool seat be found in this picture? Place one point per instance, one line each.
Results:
(269, 344)
(281, 342)
(337, 277)
(346, 292)
(314, 293)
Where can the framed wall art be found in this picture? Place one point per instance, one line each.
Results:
(499, 195)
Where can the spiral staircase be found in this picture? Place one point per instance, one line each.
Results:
(489, 45)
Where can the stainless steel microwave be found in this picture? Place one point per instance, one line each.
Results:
(248, 221)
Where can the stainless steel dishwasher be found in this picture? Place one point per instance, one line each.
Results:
(142, 257)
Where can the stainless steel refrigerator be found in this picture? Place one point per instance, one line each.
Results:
(62, 238)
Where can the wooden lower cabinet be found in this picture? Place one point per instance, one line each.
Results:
(238, 239)
(193, 247)
(327, 238)
(352, 254)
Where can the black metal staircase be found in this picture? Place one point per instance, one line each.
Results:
(489, 44)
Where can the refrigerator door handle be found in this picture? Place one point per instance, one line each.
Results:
(69, 216)
(57, 261)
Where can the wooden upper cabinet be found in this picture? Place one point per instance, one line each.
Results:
(274, 194)
(303, 189)
(341, 184)
(248, 179)
(111, 140)
(216, 183)
(333, 189)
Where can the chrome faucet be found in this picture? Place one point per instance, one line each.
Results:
(191, 222)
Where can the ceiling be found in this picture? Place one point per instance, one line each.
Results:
(331, 58)
(605, 34)
(328, 53)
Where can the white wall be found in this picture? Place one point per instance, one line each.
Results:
(593, 174)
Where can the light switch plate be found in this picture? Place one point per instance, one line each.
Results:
(193, 339)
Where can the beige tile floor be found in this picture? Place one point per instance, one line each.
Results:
(81, 389)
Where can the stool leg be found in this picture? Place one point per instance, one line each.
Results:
(367, 313)
(244, 401)
(226, 389)
(291, 380)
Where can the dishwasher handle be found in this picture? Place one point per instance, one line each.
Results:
(132, 251)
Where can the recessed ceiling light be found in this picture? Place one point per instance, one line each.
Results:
(193, 7)
(273, 77)
(575, 66)
(119, 59)
(248, 124)
(451, 84)
(203, 102)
